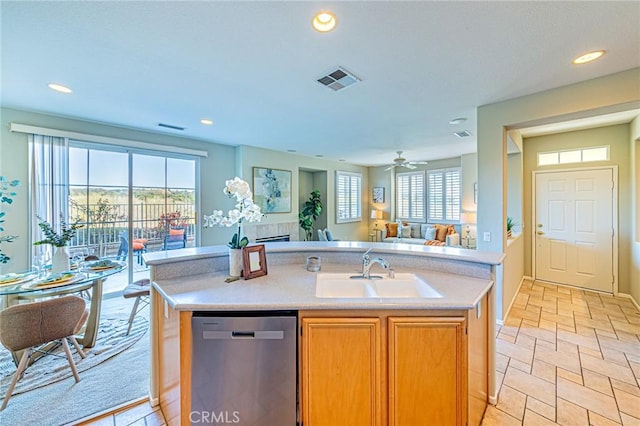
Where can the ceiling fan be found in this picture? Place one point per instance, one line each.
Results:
(400, 161)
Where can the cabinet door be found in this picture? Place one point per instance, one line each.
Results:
(341, 371)
(426, 371)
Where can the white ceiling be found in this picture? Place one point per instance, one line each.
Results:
(251, 67)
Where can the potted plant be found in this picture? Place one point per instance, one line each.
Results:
(510, 224)
(6, 197)
(310, 212)
(60, 259)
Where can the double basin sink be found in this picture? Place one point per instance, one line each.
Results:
(344, 285)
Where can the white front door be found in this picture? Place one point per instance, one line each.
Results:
(574, 228)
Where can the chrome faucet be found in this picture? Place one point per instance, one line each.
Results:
(367, 263)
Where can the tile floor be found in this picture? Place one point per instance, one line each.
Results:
(564, 357)
(569, 357)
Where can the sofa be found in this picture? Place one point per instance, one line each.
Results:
(421, 233)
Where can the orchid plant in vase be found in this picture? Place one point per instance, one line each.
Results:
(245, 210)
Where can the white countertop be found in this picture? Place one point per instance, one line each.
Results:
(293, 287)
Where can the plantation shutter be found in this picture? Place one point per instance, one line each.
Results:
(348, 197)
(410, 196)
(444, 195)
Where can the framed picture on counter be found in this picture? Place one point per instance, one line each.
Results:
(254, 262)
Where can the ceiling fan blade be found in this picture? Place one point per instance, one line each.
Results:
(409, 166)
(391, 167)
(418, 162)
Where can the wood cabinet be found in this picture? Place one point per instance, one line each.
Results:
(396, 368)
(342, 371)
(426, 371)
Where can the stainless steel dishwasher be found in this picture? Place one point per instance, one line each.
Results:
(244, 368)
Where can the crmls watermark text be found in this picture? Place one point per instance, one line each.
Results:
(212, 417)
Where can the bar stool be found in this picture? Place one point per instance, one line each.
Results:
(140, 290)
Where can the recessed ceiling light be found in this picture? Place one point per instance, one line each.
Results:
(59, 88)
(342, 159)
(588, 57)
(291, 150)
(458, 120)
(206, 122)
(319, 155)
(324, 21)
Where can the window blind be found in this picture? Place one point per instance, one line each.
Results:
(410, 196)
(444, 195)
(348, 197)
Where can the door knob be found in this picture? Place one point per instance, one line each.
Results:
(539, 225)
(540, 233)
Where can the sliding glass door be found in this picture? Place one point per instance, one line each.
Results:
(130, 203)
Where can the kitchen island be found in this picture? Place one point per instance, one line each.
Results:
(361, 360)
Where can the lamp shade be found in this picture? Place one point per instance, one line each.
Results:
(376, 214)
(468, 217)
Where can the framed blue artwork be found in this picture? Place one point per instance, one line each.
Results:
(272, 190)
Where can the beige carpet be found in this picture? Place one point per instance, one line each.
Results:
(111, 341)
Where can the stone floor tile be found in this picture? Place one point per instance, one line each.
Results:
(495, 417)
(514, 351)
(569, 328)
(501, 362)
(628, 337)
(512, 402)
(624, 386)
(604, 333)
(570, 414)
(522, 366)
(627, 420)
(635, 367)
(597, 420)
(589, 351)
(624, 326)
(535, 301)
(589, 340)
(565, 358)
(510, 330)
(524, 314)
(628, 403)
(612, 355)
(576, 378)
(499, 380)
(538, 407)
(506, 337)
(564, 290)
(597, 382)
(538, 333)
(607, 368)
(559, 319)
(547, 325)
(525, 340)
(512, 321)
(531, 418)
(544, 370)
(531, 385)
(618, 345)
(592, 323)
(588, 398)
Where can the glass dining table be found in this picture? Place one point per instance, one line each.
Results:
(28, 286)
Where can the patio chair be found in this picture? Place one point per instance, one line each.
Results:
(176, 238)
(25, 326)
(138, 246)
(140, 290)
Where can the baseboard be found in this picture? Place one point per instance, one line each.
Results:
(628, 296)
(506, 314)
(493, 399)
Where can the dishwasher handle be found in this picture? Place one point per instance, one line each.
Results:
(240, 335)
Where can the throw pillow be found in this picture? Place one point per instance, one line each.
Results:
(328, 234)
(430, 233)
(392, 229)
(441, 232)
(405, 232)
(174, 232)
(415, 230)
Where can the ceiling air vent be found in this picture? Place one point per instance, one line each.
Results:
(462, 134)
(171, 126)
(338, 78)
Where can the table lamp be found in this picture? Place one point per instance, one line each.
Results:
(468, 218)
(376, 215)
